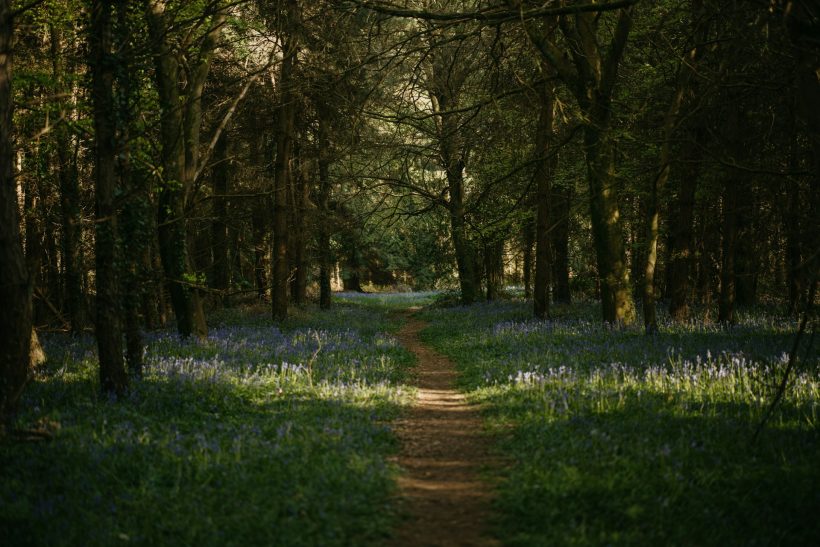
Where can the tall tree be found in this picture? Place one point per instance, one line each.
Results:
(686, 71)
(69, 184)
(113, 378)
(544, 155)
(15, 285)
(181, 73)
(283, 167)
(590, 71)
(447, 73)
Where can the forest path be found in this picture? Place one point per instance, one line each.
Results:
(442, 452)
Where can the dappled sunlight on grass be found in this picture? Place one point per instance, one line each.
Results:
(256, 436)
(619, 438)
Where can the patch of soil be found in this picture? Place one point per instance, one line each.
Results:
(443, 451)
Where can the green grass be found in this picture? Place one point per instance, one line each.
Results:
(613, 438)
(257, 436)
(266, 435)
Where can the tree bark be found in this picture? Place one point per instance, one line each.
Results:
(803, 28)
(298, 244)
(682, 250)
(260, 226)
(686, 70)
(113, 378)
(613, 272)
(527, 243)
(590, 71)
(543, 194)
(747, 260)
(325, 252)
(180, 124)
(794, 271)
(15, 286)
(461, 244)
(726, 303)
(68, 177)
(562, 200)
(170, 219)
(494, 266)
(283, 168)
(219, 224)
(136, 206)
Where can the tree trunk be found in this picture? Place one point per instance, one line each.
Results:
(461, 244)
(527, 243)
(219, 224)
(283, 169)
(562, 201)
(682, 251)
(15, 286)
(803, 27)
(180, 102)
(726, 303)
(543, 194)
(33, 211)
(325, 252)
(616, 297)
(170, 218)
(591, 74)
(298, 244)
(260, 226)
(136, 206)
(68, 177)
(684, 77)
(494, 266)
(794, 271)
(747, 260)
(113, 378)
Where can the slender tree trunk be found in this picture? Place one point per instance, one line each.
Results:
(794, 273)
(543, 194)
(69, 196)
(170, 218)
(219, 224)
(180, 101)
(528, 241)
(325, 252)
(685, 72)
(283, 169)
(747, 259)
(560, 244)
(136, 235)
(15, 287)
(260, 226)
(682, 250)
(650, 320)
(33, 211)
(494, 266)
(113, 378)
(453, 161)
(726, 303)
(298, 243)
(352, 281)
(461, 244)
(613, 272)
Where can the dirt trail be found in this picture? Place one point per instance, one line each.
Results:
(443, 452)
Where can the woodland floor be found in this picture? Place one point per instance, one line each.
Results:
(443, 452)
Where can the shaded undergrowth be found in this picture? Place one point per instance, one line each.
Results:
(257, 436)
